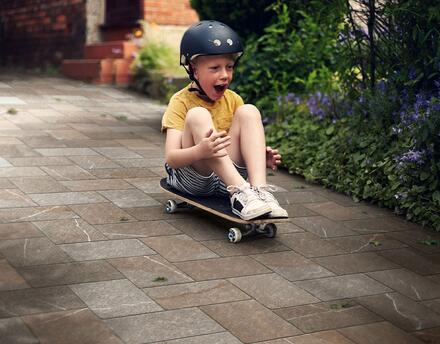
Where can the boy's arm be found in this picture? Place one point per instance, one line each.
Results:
(211, 146)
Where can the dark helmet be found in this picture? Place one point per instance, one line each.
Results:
(209, 37)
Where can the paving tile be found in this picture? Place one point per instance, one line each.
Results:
(148, 162)
(70, 327)
(249, 321)
(33, 251)
(273, 291)
(96, 184)
(309, 244)
(41, 300)
(93, 162)
(221, 268)
(147, 185)
(19, 231)
(378, 225)
(217, 338)
(327, 315)
(292, 266)
(101, 213)
(355, 263)
(4, 163)
(340, 287)
(199, 226)
(150, 271)
(288, 227)
(5, 184)
(326, 337)
(68, 134)
(177, 248)
(68, 273)
(366, 243)
(13, 330)
(433, 305)
(43, 142)
(129, 198)
(195, 294)
(428, 336)
(117, 298)
(66, 151)
(408, 283)
(156, 213)
(435, 278)
(412, 260)
(14, 172)
(336, 212)
(148, 328)
(415, 239)
(38, 184)
(9, 278)
(323, 227)
(401, 311)
(66, 198)
(225, 249)
(40, 161)
(69, 172)
(293, 197)
(69, 231)
(35, 214)
(137, 229)
(298, 210)
(381, 332)
(117, 153)
(106, 249)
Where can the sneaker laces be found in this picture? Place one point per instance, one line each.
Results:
(243, 191)
(265, 192)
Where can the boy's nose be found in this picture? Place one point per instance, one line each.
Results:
(224, 73)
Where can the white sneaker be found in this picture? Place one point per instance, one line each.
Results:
(246, 203)
(266, 196)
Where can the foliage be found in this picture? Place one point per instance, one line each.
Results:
(288, 59)
(396, 40)
(246, 17)
(397, 166)
(156, 68)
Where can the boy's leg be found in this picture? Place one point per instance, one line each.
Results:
(248, 147)
(197, 123)
(245, 201)
(248, 143)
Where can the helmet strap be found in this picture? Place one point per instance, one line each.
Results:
(190, 72)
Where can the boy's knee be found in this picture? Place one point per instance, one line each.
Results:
(248, 111)
(197, 115)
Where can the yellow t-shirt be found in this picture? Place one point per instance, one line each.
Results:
(221, 110)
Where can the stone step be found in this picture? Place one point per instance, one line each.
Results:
(115, 49)
(99, 71)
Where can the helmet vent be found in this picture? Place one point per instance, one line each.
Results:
(210, 26)
(217, 42)
(230, 41)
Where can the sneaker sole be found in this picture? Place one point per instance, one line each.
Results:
(261, 212)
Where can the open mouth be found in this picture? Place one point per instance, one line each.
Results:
(220, 88)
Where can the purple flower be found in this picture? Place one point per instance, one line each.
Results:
(412, 74)
(381, 86)
(412, 156)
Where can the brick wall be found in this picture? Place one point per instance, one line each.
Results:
(36, 33)
(166, 12)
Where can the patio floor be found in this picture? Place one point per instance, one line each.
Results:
(88, 255)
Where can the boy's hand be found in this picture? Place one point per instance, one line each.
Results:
(212, 146)
(273, 158)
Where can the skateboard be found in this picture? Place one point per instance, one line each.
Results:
(221, 206)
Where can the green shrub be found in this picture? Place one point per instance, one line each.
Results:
(396, 166)
(287, 59)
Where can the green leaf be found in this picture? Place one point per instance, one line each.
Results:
(429, 242)
(330, 130)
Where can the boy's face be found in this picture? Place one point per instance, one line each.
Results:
(214, 74)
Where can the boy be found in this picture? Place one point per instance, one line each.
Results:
(213, 140)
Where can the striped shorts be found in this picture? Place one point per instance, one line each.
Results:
(188, 180)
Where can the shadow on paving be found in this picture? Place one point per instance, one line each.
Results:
(88, 254)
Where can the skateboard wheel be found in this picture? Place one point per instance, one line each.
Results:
(234, 235)
(170, 206)
(270, 230)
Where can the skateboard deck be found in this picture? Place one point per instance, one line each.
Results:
(220, 206)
